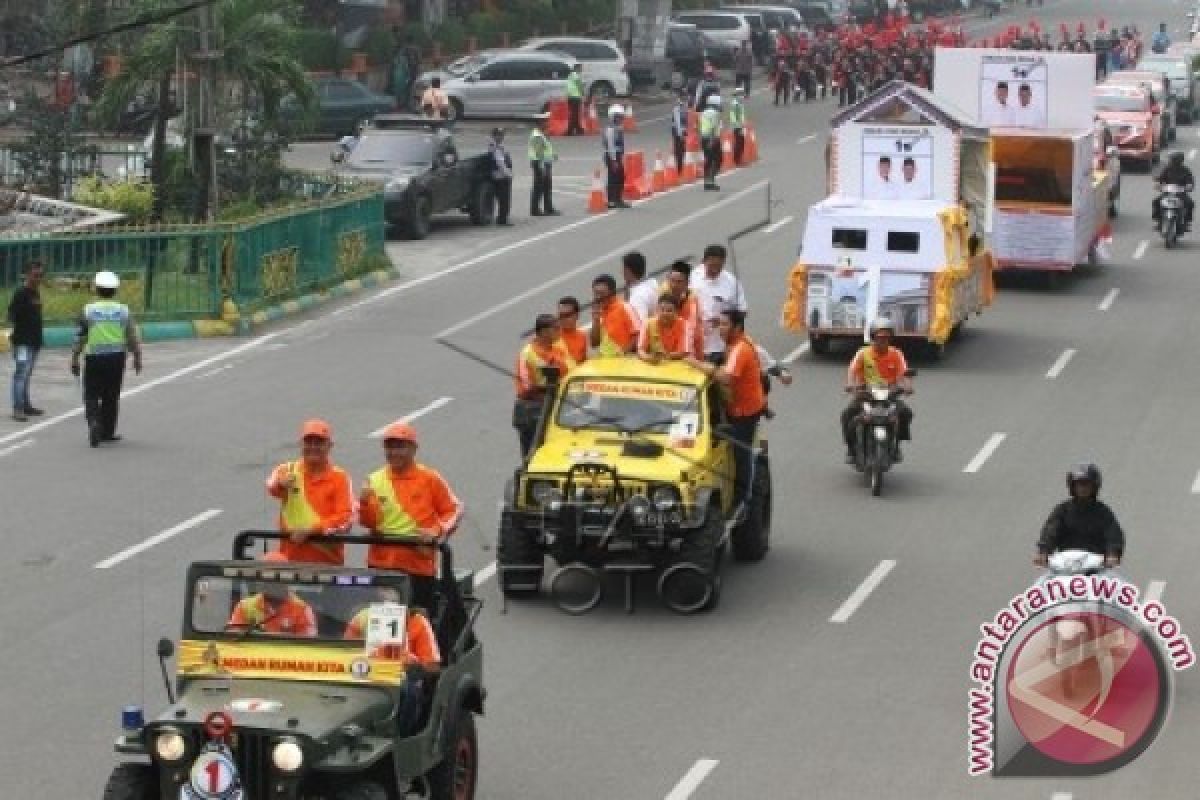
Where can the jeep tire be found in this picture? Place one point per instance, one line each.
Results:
(752, 538)
(483, 204)
(456, 776)
(702, 548)
(518, 549)
(131, 782)
(360, 790)
(420, 217)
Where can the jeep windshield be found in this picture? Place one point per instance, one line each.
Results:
(629, 406)
(392, 150)
(330, 607)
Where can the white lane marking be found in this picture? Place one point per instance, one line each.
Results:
(570, 193)
(148, 385)
(1061, 363)
(863, 591)
(570, 274)
(277, 345)
(1196, 484)
(1154, 592)
(806, 139)
(985, 452)
(1140, 250)
(692, 780)
(415, 415)
(799, 351)
(212, 372)
(1061, 796)
(1191, 156)
(1108, 300)
(10, 450)
(158, 538)
(774, 226)
(485, 574)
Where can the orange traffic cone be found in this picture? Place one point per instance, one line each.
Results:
(726, 152)
(659, 180)
(591, 124)
(691, 170)
(751, 154)
(670, 174)
(597, 199)
(630, 124)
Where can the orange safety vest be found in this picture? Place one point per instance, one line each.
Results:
(297, 514)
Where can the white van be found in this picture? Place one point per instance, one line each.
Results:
(725, 27)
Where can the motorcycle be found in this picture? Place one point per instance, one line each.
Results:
(1172, 213)
(875, 440)
(1068, 636)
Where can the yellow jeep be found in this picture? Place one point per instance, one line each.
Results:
(632, 464)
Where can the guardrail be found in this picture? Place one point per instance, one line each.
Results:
(334, 233)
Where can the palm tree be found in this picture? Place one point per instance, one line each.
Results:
(255, 40)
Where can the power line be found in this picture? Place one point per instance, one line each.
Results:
(141, 21)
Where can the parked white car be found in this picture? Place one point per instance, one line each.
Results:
(725, 27)
(605, 71)
(501, 83)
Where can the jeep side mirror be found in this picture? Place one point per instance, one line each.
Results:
(166, 648)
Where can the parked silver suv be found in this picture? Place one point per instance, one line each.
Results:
(501, 83)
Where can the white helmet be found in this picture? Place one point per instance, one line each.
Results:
(882, 324)
(107, 280)
(616, 110)
(714, 101)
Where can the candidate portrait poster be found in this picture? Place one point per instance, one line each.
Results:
(897, 163)
(1013, 91)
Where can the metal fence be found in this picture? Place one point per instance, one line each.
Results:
(111, 161)
(186, 271)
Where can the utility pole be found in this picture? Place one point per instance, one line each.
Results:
(205, 133)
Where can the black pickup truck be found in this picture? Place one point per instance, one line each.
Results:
(418, 163)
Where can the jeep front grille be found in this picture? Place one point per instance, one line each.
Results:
(251, 753)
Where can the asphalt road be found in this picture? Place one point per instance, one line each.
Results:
(785, 701)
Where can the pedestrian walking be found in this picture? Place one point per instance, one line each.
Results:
(541, 164)
(710, 141)
(106, 334)
(25, 316)
(679, 129)
(575, 101)
(502, 175)
(737, 124)
(743, 67)
(614, 156)
(783, 81)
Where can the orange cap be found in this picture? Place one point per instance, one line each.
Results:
(400, 431)
(275, 556)
(316, 427)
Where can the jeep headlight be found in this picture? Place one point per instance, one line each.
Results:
(544, 493)
(664, 498)
(170, 746)
(287, 756)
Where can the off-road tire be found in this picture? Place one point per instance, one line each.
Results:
(131, 782)
(362, 790)
(752, 539)
(702, 547)
(516, 548)
(483, 204)
(420, 217)
(457, 775)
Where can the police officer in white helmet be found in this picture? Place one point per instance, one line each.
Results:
(614, 155)
(106, 334)
(710, 140)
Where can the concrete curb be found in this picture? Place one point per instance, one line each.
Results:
(64, 336)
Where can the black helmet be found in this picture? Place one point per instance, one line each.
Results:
(1080, 473)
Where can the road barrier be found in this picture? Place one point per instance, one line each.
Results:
(181, 272)
(637, 182)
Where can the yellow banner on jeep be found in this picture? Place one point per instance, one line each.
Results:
(291, 662)
(645, 391)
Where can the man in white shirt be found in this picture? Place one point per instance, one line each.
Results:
(998, 113)
(716, 290)
(641, 292)
(1026, 114)
(885, 187)
(910, 187)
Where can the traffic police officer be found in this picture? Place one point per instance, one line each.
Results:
(737, 123)
(541, 164)
(710, 141)
(105, 334)
(614, 156)
(574, 101)
(501, 176)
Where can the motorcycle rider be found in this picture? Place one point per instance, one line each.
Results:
(877, 364)
(1083, 522)
(1175, 173)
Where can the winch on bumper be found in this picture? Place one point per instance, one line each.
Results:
(593, 510)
